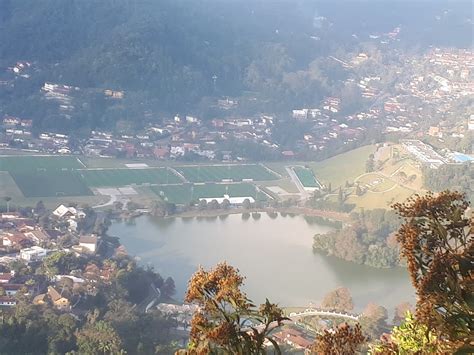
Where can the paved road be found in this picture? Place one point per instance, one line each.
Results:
(112, 200)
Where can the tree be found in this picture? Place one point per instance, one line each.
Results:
(7, 200)
(374, 320)
(98, 338)
(437, 240)
(411, 337)
(370, 164)
(339, 299)
(213, 205)
(246, 204)
(168, 288)
(222, 324)
(401, 312)
(340, 341)
(225, 204)
(202, 205)
(340, 197)
(40, 208)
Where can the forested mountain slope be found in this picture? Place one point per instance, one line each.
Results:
(172, 55)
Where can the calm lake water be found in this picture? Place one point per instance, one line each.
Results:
(275, 255)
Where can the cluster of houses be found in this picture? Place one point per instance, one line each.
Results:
(293, 338)
(24, 240)
(181, 135)
(444, 77)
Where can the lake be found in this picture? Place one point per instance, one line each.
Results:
(275, 255)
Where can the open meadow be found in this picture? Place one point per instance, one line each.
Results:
(37, 162)
(50, 183)
(123, 177)
(217, 173)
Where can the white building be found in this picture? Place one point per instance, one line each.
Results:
(470, 123)
(35, 253)
(63, 211)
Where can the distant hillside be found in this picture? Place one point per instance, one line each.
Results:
(171, 55)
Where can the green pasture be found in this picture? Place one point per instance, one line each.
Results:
(122, 177)
(50, 183)
(306, 176)
(217, 173)
(24, 163)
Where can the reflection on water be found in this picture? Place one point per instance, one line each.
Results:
(274, 253)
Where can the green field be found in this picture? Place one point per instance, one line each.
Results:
(50, 183)
(343, 167)
(306, 177)
(122, 177)
(183, 194)
(35, 163)
(217, 173)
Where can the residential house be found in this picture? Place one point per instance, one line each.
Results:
(7, 301)
(60, 302)
(38, 236)
(11, 289)
(35, 253)
(5, 277)
(88, 243)
(71, 212)
(17, 240)
(11, 121)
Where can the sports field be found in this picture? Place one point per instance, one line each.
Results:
(122, 177)
(183, 194)
(306, 177)
(34, 163)
(50, 183)
(217, 173)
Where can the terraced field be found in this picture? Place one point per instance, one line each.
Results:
(122, 177)
(218, 173)
(184, 194)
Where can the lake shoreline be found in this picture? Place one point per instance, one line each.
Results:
(178, 246)
(291, 211)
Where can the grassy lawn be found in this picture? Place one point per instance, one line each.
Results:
(217, 173)
(50, 183)
(371, 200)
(122, 177)
(8, 186)
(336, 170)
(183, 194)
(286, 184)
(343, 167)
(92, 162)
(306, 177)
(35, 163)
